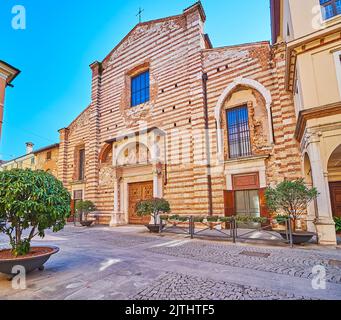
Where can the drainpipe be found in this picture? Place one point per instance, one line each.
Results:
(207, 140)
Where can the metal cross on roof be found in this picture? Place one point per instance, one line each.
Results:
(139, 14)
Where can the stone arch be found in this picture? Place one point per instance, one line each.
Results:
(106, 153)
(334, 165)
(232, 87)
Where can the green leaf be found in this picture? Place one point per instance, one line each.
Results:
(33, 201)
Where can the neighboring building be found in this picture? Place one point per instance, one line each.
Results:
(45, 159)
(144, 133)
(26, 161)
(311, 32)
(7, 75)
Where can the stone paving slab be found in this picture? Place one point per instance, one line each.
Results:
(296, 263)
(119, 263)
(175, 286)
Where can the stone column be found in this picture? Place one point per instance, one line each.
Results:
(115, 216)
(324, 222)
(157, 180)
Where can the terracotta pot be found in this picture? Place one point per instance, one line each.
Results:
(30, 263)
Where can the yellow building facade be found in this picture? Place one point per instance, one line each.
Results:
(311, 30)
(45, 159)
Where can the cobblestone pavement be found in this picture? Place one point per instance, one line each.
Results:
(130, 263)
(296, 263)
(174, 286)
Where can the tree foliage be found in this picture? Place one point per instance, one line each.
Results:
(85, 206)
(153, 207)
(32, 201)
(337, 224)
(291, 198)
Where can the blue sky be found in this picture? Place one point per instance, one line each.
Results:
(63, 37)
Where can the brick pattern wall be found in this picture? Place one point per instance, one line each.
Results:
(174, 50)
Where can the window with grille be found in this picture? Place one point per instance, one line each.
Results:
(140, 92)
(238, 132)
(48, 155)
(330, 8)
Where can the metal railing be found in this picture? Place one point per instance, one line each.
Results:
(229, 230)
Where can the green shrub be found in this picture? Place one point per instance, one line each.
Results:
(212, 219)
(250, 219)
(291, 198)
(83, 208)
(153, 207)
(281, 218)
(33, 200)
(337, 224)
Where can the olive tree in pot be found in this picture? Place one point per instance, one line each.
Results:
(83, 209)
(30, 203)
(292, 199)
(154, 208)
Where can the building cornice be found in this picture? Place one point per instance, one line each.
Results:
(315, 113)
(305, 44)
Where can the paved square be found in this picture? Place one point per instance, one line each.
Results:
(129, 263)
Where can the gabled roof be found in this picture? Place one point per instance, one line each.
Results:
(75, 120)
(52, 146)
(13, 72)
(197, 5)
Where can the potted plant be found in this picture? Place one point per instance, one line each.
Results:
(292, 199)
(30, 203)
(83, 209)
(154, 208)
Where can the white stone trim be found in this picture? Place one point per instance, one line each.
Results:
(248, 83)
(246, 166)
(337, 56)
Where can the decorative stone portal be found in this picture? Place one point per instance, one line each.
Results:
(137, 173)
(137, 192)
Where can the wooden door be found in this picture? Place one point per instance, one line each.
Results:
(335, 196)
(137, 192)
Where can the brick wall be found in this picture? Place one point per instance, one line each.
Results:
(174, 50)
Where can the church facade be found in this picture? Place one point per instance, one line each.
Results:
(171, 116)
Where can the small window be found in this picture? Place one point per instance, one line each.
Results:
(81, 168)
(238, 132)
(32, 161)
(48, 155)
(140, 92)
(330, 8)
